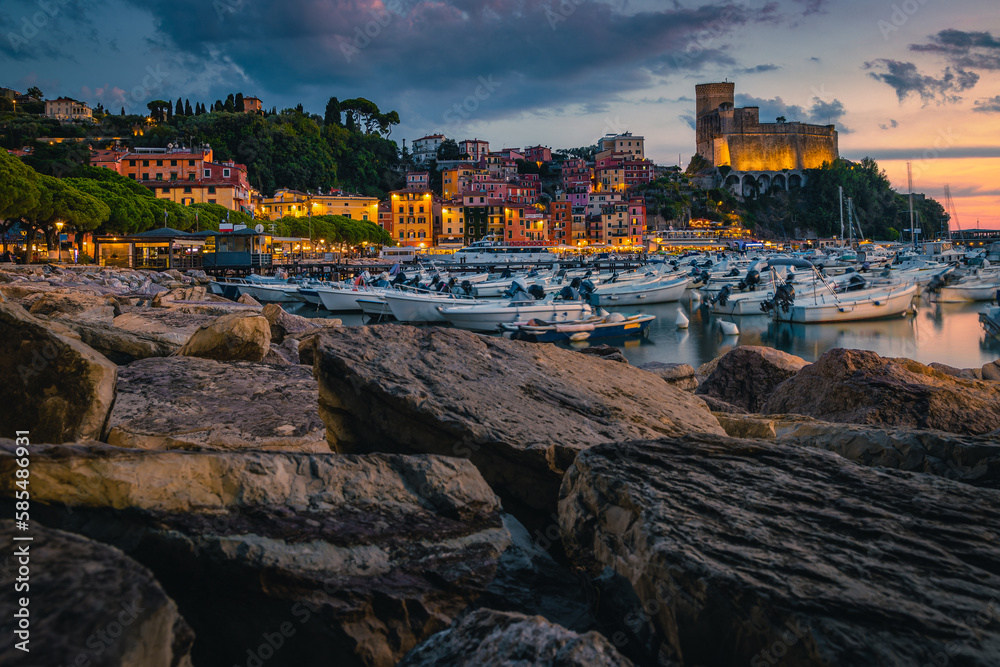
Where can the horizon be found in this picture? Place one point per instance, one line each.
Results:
(902, 84)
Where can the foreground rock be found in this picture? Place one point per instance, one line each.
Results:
(488, 638)
(285, 325)
(186, 402)
(166, 323)
(351, 560)
(233, 337)
(860, 387)
(747, 376)
(678, 375)
(748, 552)
(521, 412)
(53, 385)
(77, 307)
(122, 346)
(90, 601)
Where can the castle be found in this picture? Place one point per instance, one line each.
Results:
(760, 156)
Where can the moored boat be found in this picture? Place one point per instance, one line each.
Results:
(613, 325)
(489, 317)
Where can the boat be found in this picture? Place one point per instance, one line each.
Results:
(977, 286)
(343, 298)
(374, 307)
(420, 306)
(659, 290)
(271, 289)
(490, 250)
(613, 325)
(990, 319)
(489, 317)
(829, 306)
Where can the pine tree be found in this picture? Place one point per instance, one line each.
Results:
(230, 104)
(179, 109)
(187, 108)
(218, 105)
(238, 102)
(332, 116)
(123, 111)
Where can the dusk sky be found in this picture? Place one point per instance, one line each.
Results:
(906, 80)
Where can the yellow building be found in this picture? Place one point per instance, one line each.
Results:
(227, 195)
(66, 108)
(456, 180)
(413, 218)
(452, 224)
(626, 143)
(297, 204)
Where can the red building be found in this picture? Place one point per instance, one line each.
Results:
(538, 154)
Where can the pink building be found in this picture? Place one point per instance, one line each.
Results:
(576, 173)
(538, 154)
(418, 180)
(476, 149)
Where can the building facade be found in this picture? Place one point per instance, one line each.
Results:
(413, 217)
(66, 108)
(476, 149)
(425, 148)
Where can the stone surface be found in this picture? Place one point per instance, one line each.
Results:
(357, 558)
(166, 299)
(233, 337)
(78, 307)
(964, 373)
(53, 385)
(747, 376)
(167, 323)
(90, 604)
(606, 352)
(122, 346)
(746, 552)
(679, 375)
(187, 402)
(284, 324)
(991, 371)
(860, 387)
(249, 300)
(488, 638)
(520, 411)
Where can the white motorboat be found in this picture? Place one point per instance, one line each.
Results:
(272, 292)
(489, 317)
(631, 294)
(343, 298)
(374, 307)
(829, 306)
(990, 319)
(421, 306)
(978, 286)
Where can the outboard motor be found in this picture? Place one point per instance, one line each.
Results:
(466, 287)
(734, 273)
(575, 283)
(506, 273)
(751, 281)
(784, 297)
(723, 297)
(855, 283)
(935, 285)
(587, 288)
(568, 293)
(537, 291)
(516, 287)
(865, 266)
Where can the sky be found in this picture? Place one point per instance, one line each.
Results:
(913, 81)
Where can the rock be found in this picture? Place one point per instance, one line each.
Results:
(173, 274)
(717, 405)
(607, 352)
(708, 367)
(168, 324)
(249, 300)
(964, 373)
(489, 638)
(678, 375)
(745, 552)
(860, 387)
(747, 376)
(91, 601)
(166, 299)
(991, 371)
(122, 346)
(274, 357)
(288, 352)
(78, 307)
(973, 460)
(57, 387)
(233, 337)
(285, 324)
(520, 411)
(187, 402)
(354, 560)
(768, 427)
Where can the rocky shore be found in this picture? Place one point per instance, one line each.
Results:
(219, 483)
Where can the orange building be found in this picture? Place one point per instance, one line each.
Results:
(189, 176)
(560, 222)
(413, 217)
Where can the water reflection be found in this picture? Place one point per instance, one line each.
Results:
(948, 333)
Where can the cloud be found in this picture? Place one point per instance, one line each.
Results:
(821, 112)
(966, 50)
(891, 125)
(988, 105)
(689, 121)
(759, 69)
(906, 80)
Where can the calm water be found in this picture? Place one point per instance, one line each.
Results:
(947, 333)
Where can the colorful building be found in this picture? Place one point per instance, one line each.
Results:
(560, 222)
(625, 143)
(538, 154)
(413, 217)
(458, 179)
(425, 148)
(297, 204)
(66, 108)
(452, 229)
(251, 105)
(189, 176)
(476, 149)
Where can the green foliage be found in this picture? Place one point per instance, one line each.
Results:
(697, 164)
(210, 216)
(891, 234)
(448, 150)
(334, 229)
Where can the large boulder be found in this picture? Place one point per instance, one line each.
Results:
(285, 325)
(77, 307)
(53, 385)
(166, 299)
(122, 346)
(187, 402)
(678, 375)
(233, 337)
(747, 552)
(860, 387)
(167, 323)
(488, 638)
(747, 376)
(89, 604)
(520, 411)
(333, 559)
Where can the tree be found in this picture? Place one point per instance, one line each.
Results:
(158, 110)
(217, 106)
(187, 108)
(892, 234)
(35, 94)
(781, 119)
(123, 111)
(332, 116)
(230, 104)
(179, 108)
(238, 102)
(448, 150)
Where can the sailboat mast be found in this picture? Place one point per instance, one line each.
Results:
(841, 215)
(913, 229)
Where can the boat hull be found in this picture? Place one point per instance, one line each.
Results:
(374, 307)
(342, 300)
(489, 318)
(640, 295)
(272, 294)
(420, 307)
(849, 308)
(571, 331)
(961, 293)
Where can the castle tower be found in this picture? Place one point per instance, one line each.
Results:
(711, 96)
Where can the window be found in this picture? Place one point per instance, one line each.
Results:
(173, 163)
(165, 190)
(449, 230)
(211, 201)
(411, 210)
(225, 173)
(187, 189)
(401, 234)
(173, 176)
(159, 177)
(421, 209)
(347, 215)
(191, 176)
(211, 189)
(421, 221)
(145, 177)
(364, 217)
(190, 163)
(208, 173)
(159, 163)
(131, 163)
(145, 163)
(400, 209)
